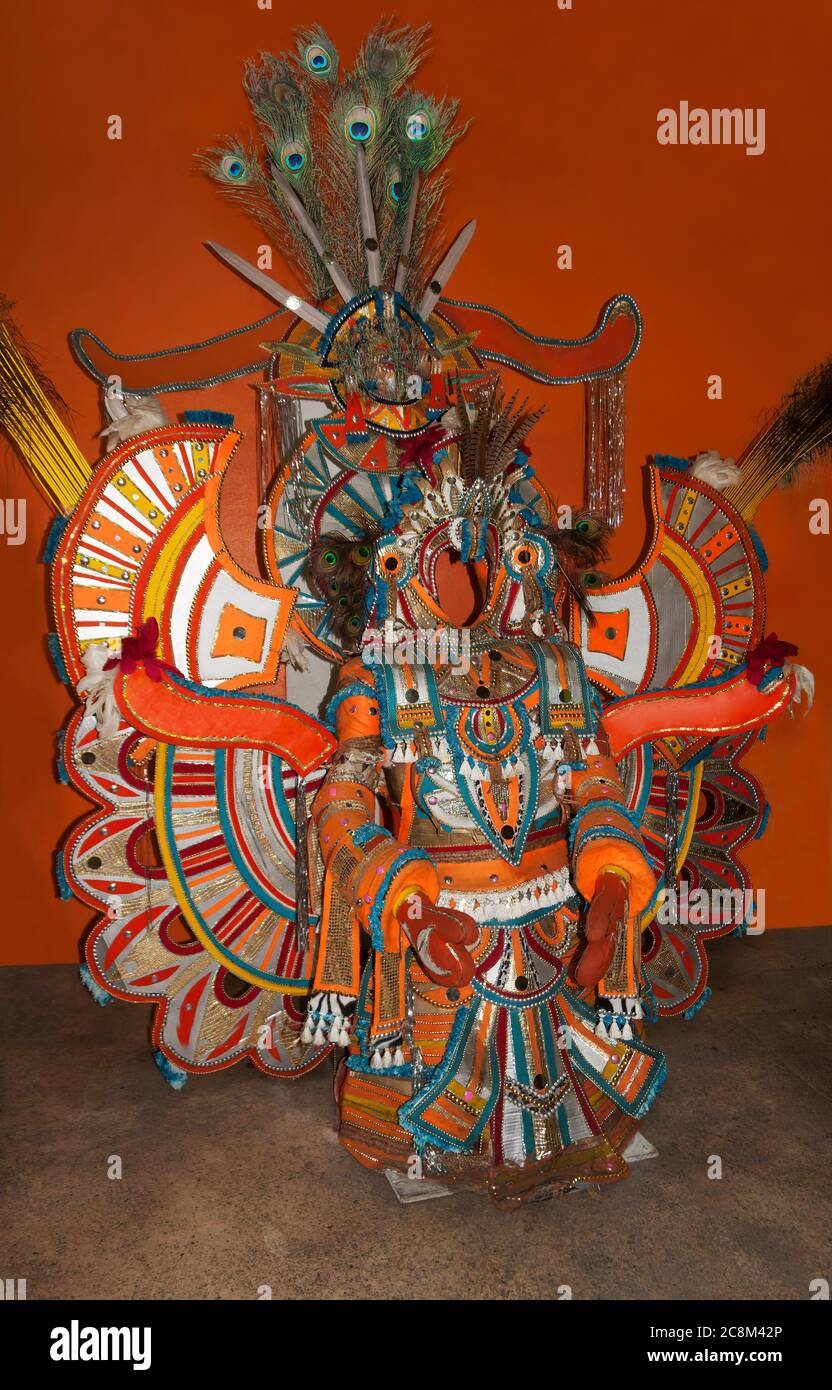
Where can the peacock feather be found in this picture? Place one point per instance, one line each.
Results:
(426, 130)
(280, 100)
(311, 116)
(315, 56)
(790, 441)
(339, 570)
(235, 167)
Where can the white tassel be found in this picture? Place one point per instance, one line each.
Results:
(627, 1032)
(375, 1061)
(615, 1031)
(398, 1058)
(547, 759)
(335, 1030)
(600, 1030)
(319, 1038)
(306, 1035)
(344, 1037)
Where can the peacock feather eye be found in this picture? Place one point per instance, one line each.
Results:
(233, 168)
(334, 588)
(317, 59)
(417, 126)
(394, 185)
(293, 157)
(361, 554)
(330, 559)
(343, 601)
(360, 124)
(582, 525)
(354, 622)
(591, 579)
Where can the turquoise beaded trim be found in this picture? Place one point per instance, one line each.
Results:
(407, 856)
(411, 1112)
(653, 1082)
(347, 692)
(601, 803)
(604, 832)
(528, 1000)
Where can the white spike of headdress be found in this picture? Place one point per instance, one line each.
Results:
(407, 238)
(445, 270)
(368, 219)
(339, 278)
(271, 287)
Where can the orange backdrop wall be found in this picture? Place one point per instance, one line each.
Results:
(727, 255)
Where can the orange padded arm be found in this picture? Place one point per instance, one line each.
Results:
(722, 709)
(170, 711)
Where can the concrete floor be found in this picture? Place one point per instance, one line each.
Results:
(239, 1182)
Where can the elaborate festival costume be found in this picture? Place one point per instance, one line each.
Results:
(455, 875)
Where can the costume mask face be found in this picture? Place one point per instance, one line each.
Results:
(483, 530)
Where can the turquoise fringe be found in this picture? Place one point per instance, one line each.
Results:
(57, 658)
(60, 759)
(208, 417)
(700, 1003)
(653, 1091)
(670, 461)
(759, 548)
(99, 995)
(64, 890)
(764, 822)
(174, 1075)
(53, 539)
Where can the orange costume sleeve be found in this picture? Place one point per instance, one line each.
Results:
(604, 838)
(371, 870)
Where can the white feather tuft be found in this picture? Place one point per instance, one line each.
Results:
(96, 688)
(294, 650)
(711, 468)
(130, 415)
(804, 683)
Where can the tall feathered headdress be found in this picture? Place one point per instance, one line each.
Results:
(343, 173)
(344, 179)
